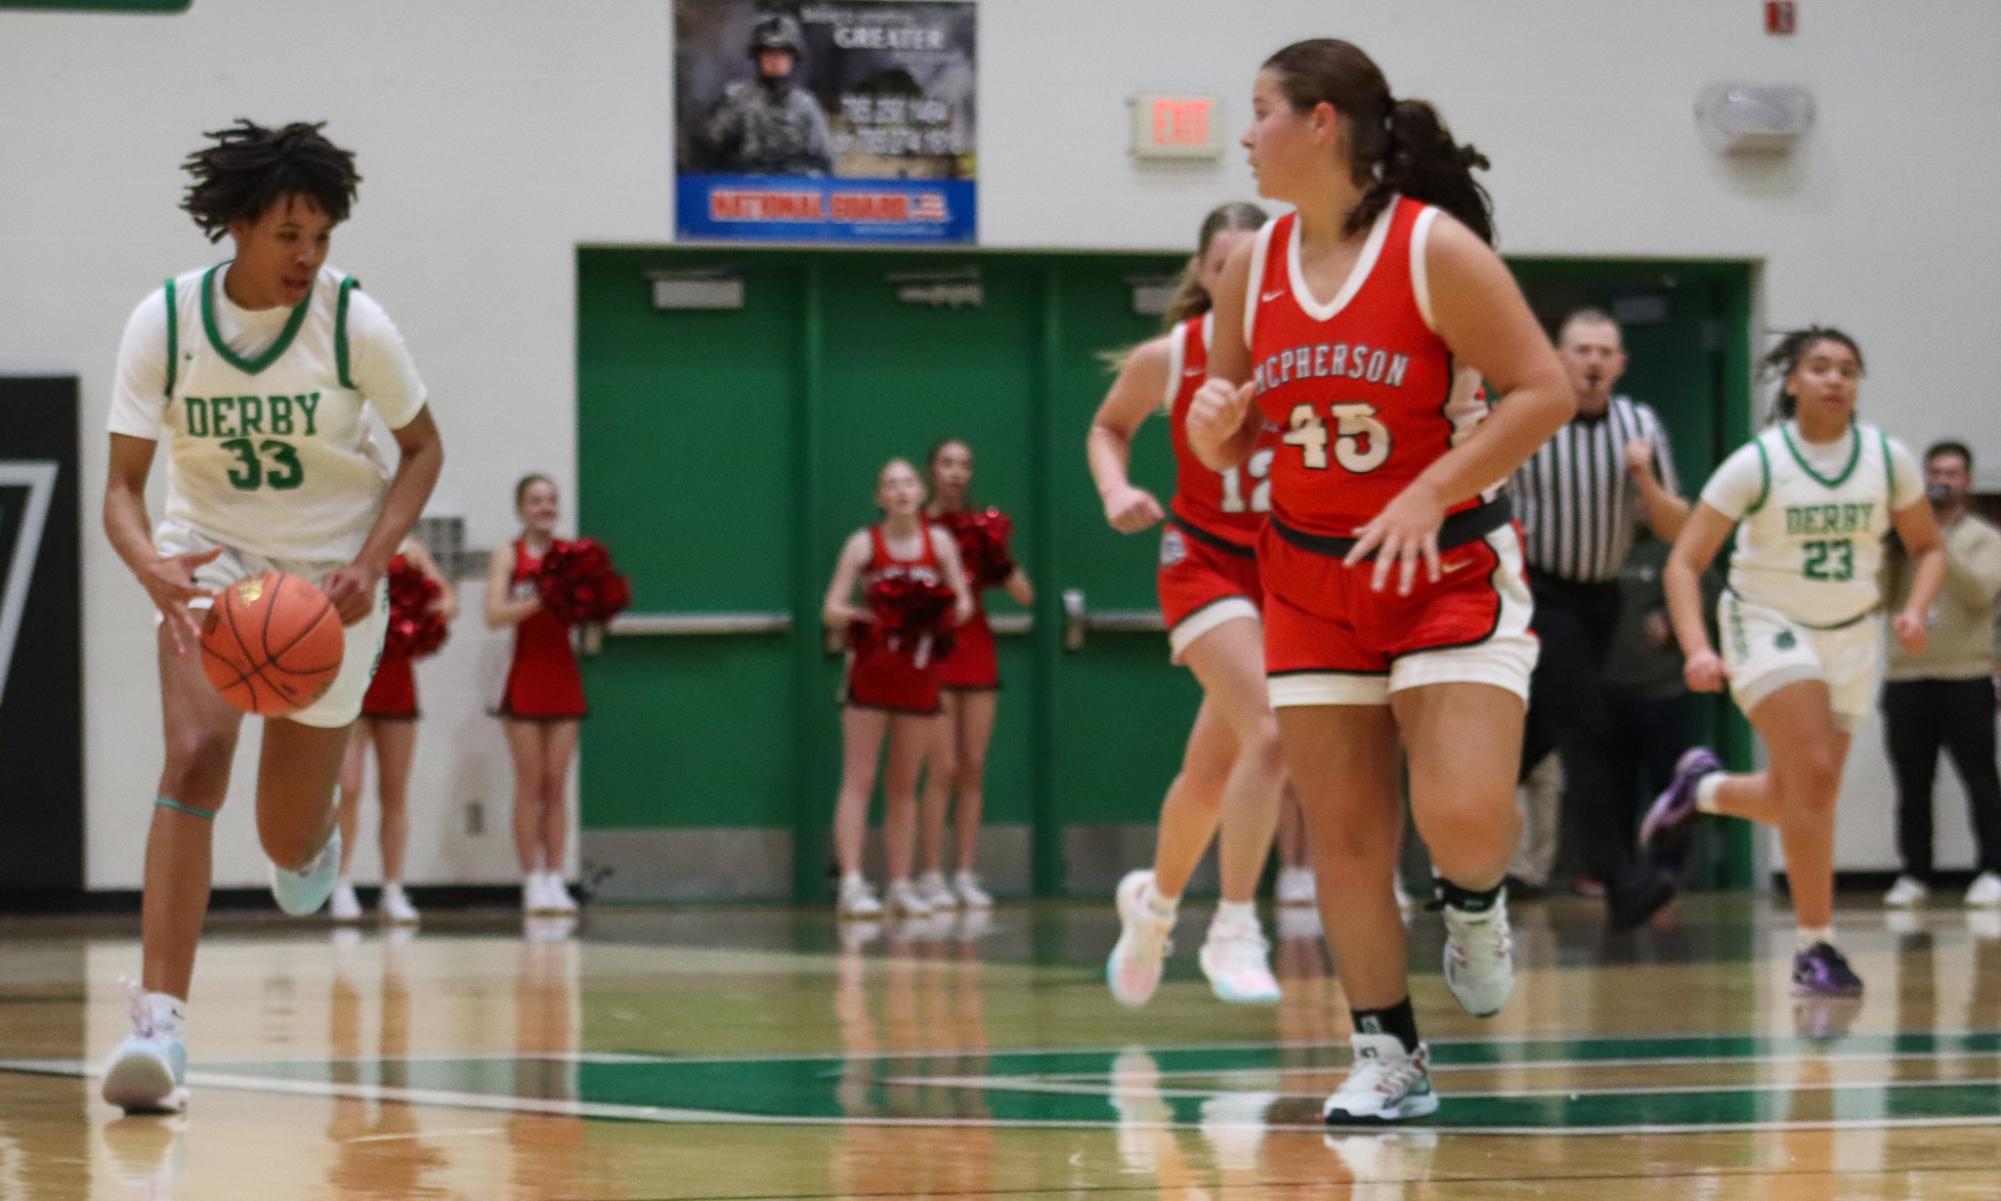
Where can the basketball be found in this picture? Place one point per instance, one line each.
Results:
(272, 644)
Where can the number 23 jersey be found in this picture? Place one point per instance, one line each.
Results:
(1359, 387)
(269, 447)
(1813, 519)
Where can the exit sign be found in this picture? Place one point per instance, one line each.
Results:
(1175, 126)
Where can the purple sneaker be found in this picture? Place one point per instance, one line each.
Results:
(1674, 808)
(1822, 971)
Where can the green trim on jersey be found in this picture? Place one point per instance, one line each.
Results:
(1889, 470)
(340, 333)
(173, 339)
(1854, 456)
(271, 354)
(1764, 477)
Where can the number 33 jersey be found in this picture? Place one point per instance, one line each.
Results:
(269, 445)
(1359, 386)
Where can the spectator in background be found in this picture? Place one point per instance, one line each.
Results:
(1582, 498)
(769, 125)
(1944, 697)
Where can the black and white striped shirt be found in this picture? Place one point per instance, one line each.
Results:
(1576, 500)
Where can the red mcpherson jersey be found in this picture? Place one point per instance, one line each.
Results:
(1359, 386)
(1231, 505)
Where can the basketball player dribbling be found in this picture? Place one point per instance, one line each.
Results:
(257, 373)
(1396, 605)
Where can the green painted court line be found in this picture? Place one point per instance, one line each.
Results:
(1043, 1088)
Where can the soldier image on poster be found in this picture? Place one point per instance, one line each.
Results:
(768, 125)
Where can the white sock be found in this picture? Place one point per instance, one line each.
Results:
(168, 1012)
(1810, 935)
(1705, 792)
(1235, 913)
(1160, 903)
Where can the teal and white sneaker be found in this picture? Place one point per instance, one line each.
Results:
(148, 1073)
(301, 893)
(1480, 958)
(1237, 960)
(1387, 1084)
(1140, 955)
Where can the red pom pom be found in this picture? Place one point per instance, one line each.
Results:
(416, 628)
(982, 536)
(578, 584)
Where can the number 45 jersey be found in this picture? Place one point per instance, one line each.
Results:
(269, 445)
(1359, 386)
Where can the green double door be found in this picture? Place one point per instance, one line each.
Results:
(734, 408)
(728, 444)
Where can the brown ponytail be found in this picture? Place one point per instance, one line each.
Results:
(1191, 299)
(1395, 147)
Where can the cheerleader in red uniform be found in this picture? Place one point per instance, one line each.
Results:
(892, 683)
(542, 701)
(1228, 788)
(970, 694)
(389, 722)
(1396, 601)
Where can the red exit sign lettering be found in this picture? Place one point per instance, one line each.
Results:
(1174, 126)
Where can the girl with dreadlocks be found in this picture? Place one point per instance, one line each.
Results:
(257, 374)
(1396, 604)
(1209, 599)
(1812, 499)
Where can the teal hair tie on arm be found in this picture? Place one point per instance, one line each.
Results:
(207, 815)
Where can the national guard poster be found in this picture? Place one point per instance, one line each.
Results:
(834, 122)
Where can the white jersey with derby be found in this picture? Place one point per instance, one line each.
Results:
(1813, 519)
(269, 446)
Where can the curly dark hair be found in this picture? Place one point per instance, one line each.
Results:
(248, 167)
(1783, 359)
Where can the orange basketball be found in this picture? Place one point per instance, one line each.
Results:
(272, 644)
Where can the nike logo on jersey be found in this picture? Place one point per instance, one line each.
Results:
(1449, 568)
(1192, 372)
(1268, 297)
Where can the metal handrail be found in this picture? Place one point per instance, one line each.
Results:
(1079, 620)
(694, 625)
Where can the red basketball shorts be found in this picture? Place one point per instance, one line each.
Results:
(1330, 640)
(1203, 583)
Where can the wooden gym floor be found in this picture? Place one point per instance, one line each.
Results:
(733, 1053)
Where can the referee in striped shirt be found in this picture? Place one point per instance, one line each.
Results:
(1581, 499)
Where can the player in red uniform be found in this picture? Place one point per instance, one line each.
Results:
(1396, 608)
(1231, 772)
(542, 700)
(891, 689)
(970, 693)
(389, 723)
